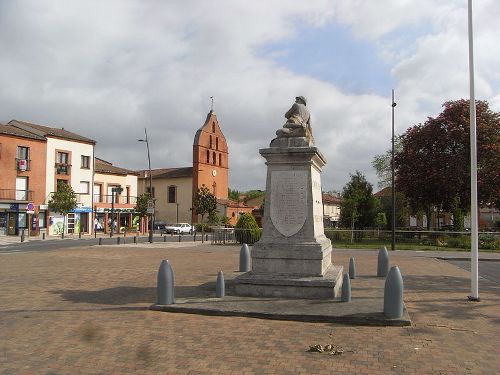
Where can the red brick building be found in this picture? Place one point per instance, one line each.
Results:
(23, 156)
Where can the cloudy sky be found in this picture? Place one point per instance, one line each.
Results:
(108, 69)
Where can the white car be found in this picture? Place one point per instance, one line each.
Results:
(179, 228)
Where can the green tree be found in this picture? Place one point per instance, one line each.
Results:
(141, 205)
(214, 218)
(359, 207)
(402, 211)
(248, 230)
(250, 194)
(380, 220)
(63, 201)
(204, 202)
(233, 194)
(382, 165)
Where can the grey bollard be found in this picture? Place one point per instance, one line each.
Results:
(346, 289)
(165, 285)
(117, 240)
(220, 287)
(383, 262)
(164, 238)
(206, 237)
(179, 237)
(352, 269)
(100, 241)
(393, 294)
(22, 236)
(245, 261)
(43, 236)
(135, 240)
(80, 235)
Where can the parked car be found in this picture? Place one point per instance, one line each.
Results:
(159, 225)
(179, 228)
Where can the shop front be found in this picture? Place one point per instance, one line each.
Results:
(16, 217)
(125, 219)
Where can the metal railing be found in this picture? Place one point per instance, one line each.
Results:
(119, 199)
(63, 168)
(229, 236)
(412, 239)
(16, 195)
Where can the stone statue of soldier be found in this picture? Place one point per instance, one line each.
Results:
(298, 122)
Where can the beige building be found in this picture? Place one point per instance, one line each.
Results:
(172, 189)
(108, 202)
(331, 210)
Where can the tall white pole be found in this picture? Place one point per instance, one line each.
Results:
(473, 169)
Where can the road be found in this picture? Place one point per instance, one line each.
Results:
(53, 244)
(488, 269)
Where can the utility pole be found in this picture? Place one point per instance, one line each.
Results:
(393, 234)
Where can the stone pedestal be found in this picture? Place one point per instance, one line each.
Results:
(293, 256)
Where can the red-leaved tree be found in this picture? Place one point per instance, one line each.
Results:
(433, 162)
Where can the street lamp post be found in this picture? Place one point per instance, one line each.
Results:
(393, 187)
(150, 185)
(115, 190)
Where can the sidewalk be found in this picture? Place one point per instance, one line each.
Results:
(86, 311)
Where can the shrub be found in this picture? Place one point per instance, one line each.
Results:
(489, 242)
(247, 230)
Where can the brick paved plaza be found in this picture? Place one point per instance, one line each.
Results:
(85, 310)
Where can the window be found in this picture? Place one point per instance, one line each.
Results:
(21, 220)
(23, 152)
(213, 127)
(216, 143)
(211, 142)
(172, 194)
(220, 159)
(84, 187)
(208, 156)
(62, 163)
(41, 219)
(62, 157)
(22, 160)
(97, 193)
(85, 162)
(214, 158)
(21, 188)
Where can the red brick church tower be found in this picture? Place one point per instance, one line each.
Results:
(211, 158)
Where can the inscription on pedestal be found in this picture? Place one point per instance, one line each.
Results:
(288, 201)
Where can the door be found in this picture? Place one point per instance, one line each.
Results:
(3, 223)
(71, 223)
(11, 223)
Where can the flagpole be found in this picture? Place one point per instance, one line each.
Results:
(473, 170)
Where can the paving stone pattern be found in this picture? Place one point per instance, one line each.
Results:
(85, 311)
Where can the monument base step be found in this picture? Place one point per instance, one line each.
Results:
(271, 285)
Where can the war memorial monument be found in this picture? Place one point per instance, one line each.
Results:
(293, 258)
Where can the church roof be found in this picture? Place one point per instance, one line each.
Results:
(167, 172)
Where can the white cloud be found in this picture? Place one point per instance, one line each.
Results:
(109, 69)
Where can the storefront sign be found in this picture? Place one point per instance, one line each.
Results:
(82, 209)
